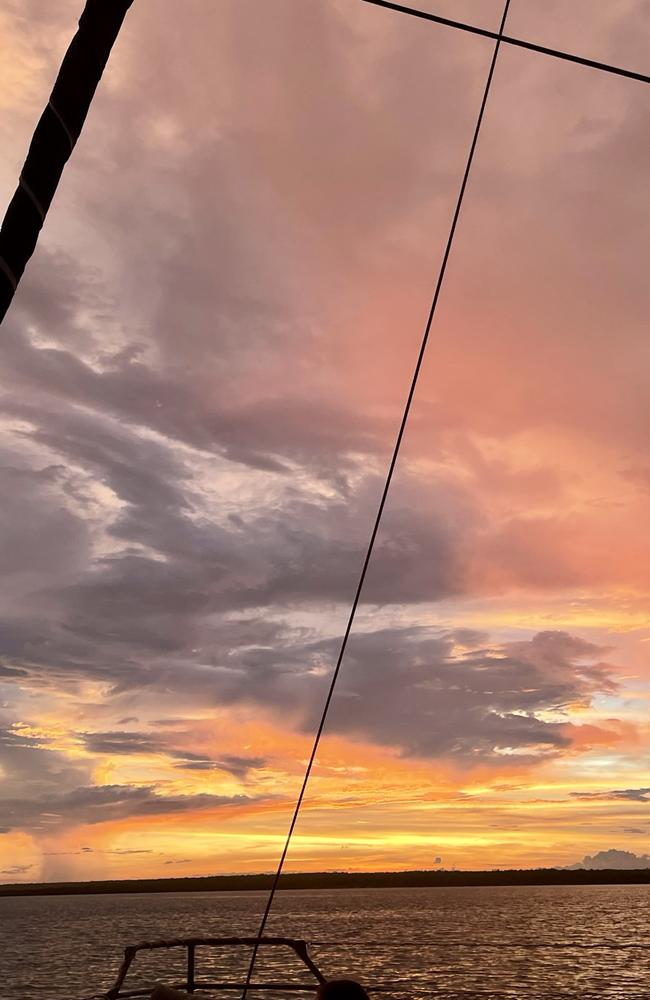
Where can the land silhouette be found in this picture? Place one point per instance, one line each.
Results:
(339, 880)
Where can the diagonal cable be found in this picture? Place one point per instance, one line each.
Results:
(384, 496)
(521, 43)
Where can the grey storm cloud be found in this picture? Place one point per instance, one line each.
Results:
(262, 314)
(265, 434)
(616, 794)
(419, 692)
(143, 618)
(428, 693)
(12, 738)
(12, 673)
(177, 570)
(94, 850)
(207, 344)
(615, 859)
(131, 850)
(134, 415)
(42, 790)
(104, 803)
(238, 766)
(122, 742)
(16, 870)
(31, 769)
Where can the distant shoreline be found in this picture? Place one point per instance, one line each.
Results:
(337, 880)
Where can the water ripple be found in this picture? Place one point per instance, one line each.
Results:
(474, 943)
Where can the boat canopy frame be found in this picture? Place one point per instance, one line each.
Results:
(192, 984)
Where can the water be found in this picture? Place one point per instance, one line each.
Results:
(492, 943)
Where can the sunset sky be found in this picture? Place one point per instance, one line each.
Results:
(201, 379)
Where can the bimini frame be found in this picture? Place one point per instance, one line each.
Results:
(192, 984)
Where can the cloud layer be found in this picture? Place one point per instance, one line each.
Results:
(202, 376)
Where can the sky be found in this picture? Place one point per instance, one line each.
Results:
(201, 379)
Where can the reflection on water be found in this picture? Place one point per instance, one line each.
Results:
(458, 943)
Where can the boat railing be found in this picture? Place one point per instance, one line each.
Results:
(192, 983)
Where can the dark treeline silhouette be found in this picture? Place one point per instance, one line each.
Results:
(339, 880)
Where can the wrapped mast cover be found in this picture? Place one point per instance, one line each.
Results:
(55, 137)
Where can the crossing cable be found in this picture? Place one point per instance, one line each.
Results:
(508, 40)
(385, 491)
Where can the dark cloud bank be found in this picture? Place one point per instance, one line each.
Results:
(130, 396)
(431, 695)
(615, 859)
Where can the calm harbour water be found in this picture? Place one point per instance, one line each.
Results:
(460, 943)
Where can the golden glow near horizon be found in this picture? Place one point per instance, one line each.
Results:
(201, 380)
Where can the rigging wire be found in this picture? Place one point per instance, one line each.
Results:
(384, 495)
(508, 40)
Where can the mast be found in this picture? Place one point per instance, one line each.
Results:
(55, 138)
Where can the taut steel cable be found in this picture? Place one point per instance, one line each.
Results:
(521, 43)
(384, 495)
